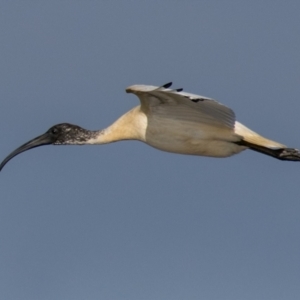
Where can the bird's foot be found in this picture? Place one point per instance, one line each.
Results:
(289, 154)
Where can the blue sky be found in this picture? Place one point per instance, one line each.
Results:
(126, 221)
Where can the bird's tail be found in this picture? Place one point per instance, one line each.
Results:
(256, 142)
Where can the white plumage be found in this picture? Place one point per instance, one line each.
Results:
(181, 122)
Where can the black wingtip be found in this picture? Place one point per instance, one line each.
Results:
(167, 85)
(179, 90)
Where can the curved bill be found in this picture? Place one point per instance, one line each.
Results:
(44, 139)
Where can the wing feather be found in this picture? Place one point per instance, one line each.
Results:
(183, 106)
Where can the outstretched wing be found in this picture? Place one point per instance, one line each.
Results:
(183, 106)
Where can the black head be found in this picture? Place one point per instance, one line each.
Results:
(69, 134)
(60, 134)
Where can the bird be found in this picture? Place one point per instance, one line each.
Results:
(170, 120)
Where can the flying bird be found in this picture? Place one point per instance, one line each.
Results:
(170, 120)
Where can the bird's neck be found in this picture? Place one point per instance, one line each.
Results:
(130, 126)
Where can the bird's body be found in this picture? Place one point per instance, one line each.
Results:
(167, 133)
(172, 121)
(185, 126)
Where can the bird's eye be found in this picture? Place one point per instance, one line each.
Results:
(54, 131)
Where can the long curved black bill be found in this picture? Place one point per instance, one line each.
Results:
(44, 139)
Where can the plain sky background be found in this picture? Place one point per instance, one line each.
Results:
(126, 221)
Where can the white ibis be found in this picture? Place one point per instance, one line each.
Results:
(172, 121)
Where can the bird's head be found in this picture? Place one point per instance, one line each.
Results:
(60, 134)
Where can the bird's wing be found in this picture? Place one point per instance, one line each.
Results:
(183, 106)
